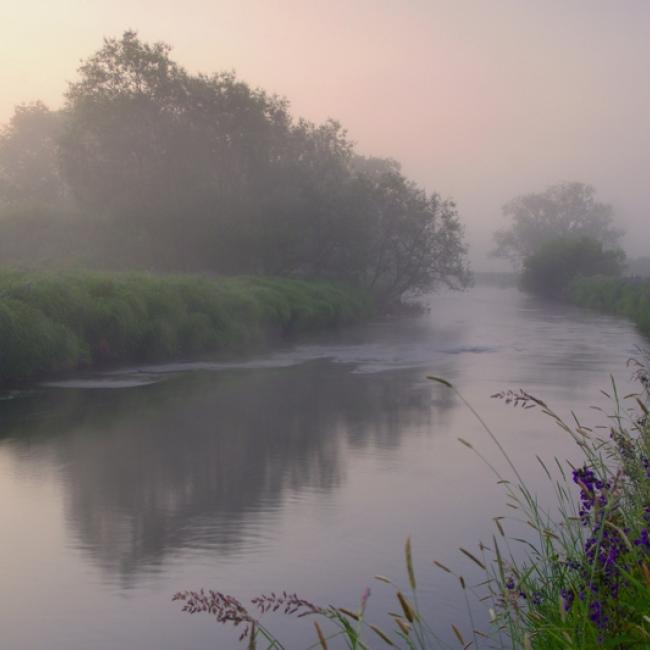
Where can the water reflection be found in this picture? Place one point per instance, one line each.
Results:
(196, 461)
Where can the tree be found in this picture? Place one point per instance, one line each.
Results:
(183, 172)
(305, 200)
(415, 240)
(170, 154)
(568, 210)
(125, 113)
(557, 262)
(29, 157)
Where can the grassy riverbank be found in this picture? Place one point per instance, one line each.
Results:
(621, 296)
(53, 322)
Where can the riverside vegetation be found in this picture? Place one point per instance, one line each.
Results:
(582, 272)
(580, 579)
(53, 322)
(150, 167)
(564, 243)
(629, 297)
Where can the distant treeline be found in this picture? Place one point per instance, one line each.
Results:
(150, 167)
(622, 296)
(52, 322)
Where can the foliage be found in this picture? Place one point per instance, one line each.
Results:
(564, 211)
(557, 262)
(29, 170)
(173, 171)
(622, 296)
(580, 580)
(586, 581)
(54, 322)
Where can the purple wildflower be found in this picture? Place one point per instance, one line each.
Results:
(643, 540)
(567, 599)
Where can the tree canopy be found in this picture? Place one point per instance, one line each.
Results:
(29, 166)
(567, 210)
(168, 170)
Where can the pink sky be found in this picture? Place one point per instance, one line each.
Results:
(479, 100)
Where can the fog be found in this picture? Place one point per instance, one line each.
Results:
(262, 262)
(479, 101)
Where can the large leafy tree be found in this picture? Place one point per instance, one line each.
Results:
(170, 154)
(567, 210)
(177, 171)
(123, 113)
(29, 157)
(303, 215)
(415, 239)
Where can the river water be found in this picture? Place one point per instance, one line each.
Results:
(303, 469)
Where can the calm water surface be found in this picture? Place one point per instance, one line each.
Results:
(303, 470)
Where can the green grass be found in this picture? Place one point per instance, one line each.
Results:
(584, 581)
(624, 297)
(54, 322)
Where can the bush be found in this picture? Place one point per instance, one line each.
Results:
(556, 263)
(55, 322)
(620, 296)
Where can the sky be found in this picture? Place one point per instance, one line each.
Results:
(479, 100)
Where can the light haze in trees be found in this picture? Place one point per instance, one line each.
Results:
(149, 166)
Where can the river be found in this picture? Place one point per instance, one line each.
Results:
(303, 469)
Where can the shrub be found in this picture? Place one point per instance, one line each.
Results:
(556, 263)
(55, 322)
(622, 296)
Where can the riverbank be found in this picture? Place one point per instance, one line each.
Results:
(621, 296)
(56, 322)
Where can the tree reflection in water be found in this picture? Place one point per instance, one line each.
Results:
(195, 461)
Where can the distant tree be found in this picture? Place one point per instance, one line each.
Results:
(568, 210)
(29, 157)
(557, 262)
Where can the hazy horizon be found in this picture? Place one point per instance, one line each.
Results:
(479, 101)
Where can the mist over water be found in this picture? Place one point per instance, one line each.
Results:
(302, 469)
(238, 244)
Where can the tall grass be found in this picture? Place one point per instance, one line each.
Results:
(584, 580)
(624, 297)
(52, 322)
(579, 579)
